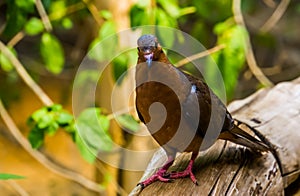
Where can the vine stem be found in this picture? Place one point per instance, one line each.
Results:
(275, 17)
(42, 12)
(199, 55)
(25, 76)
(68, 174)
(238, 17)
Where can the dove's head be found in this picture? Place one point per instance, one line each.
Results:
(148, 48)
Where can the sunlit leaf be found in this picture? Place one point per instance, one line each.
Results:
(106, 14)
(34, 26)
(92, 128)
(86, 77)
(138, 16)
(143, 3)
(4, 176)
(102, 49)
(64, 118)
(58, 9)
(5, 63)
(171, 7)
(128, 122)
(187, 10)
(108, 28)
(38, 114)
(52, 53)
(67, 23)
(55, 107)
(84, 150)
(231, 59)
(45, 121)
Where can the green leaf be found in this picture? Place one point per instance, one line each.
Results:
(108, 28)
(138, 16)
(55, 108)
(4, 176)
(187, 10)
(143, 3)
(171, 7)
(34, 26)
(231, 59)
(213, 11)
(120, 64)
(106, 14)
(45, 121)
(58, 9)
(38, 114)
(67, 23)
(128, 122)
(64, 118)
(52, 53)
(105, 45)
(97, 50)
(163, 19)
(85, 151)
(104, 123)
(87, 76)
(27, 5)
(52, 128)
(92, 127)
(36, 137)
(5, 63)
(15, 20)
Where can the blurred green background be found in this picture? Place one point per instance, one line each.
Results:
(50, 38)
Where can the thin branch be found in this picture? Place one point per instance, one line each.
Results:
(25, 76)
(270, 3)
(18, 37)
(43, 14)
(238, 17)
(94, 11)
(199, 55)
(68, 174)
(17, 188)
(277, 14)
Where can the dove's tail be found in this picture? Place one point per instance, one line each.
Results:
(241, 137)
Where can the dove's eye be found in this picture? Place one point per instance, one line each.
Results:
(146, 49)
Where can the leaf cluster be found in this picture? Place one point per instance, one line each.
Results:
(90, 130)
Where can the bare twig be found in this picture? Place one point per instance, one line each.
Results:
(68, 174)
(199, 55)
(43, 14)
(17, 188)
(25, 76)
(94, 11)
(270, 3)
(238, 17)
(20, 35)
(277, 14)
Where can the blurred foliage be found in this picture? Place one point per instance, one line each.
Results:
(4, 176)
(90, 130)
(208, 21)
(231, 59)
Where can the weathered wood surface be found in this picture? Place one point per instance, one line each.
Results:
(229, 169)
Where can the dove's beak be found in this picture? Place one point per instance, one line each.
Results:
(149, 57)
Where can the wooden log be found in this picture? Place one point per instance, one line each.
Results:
(273, 115)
